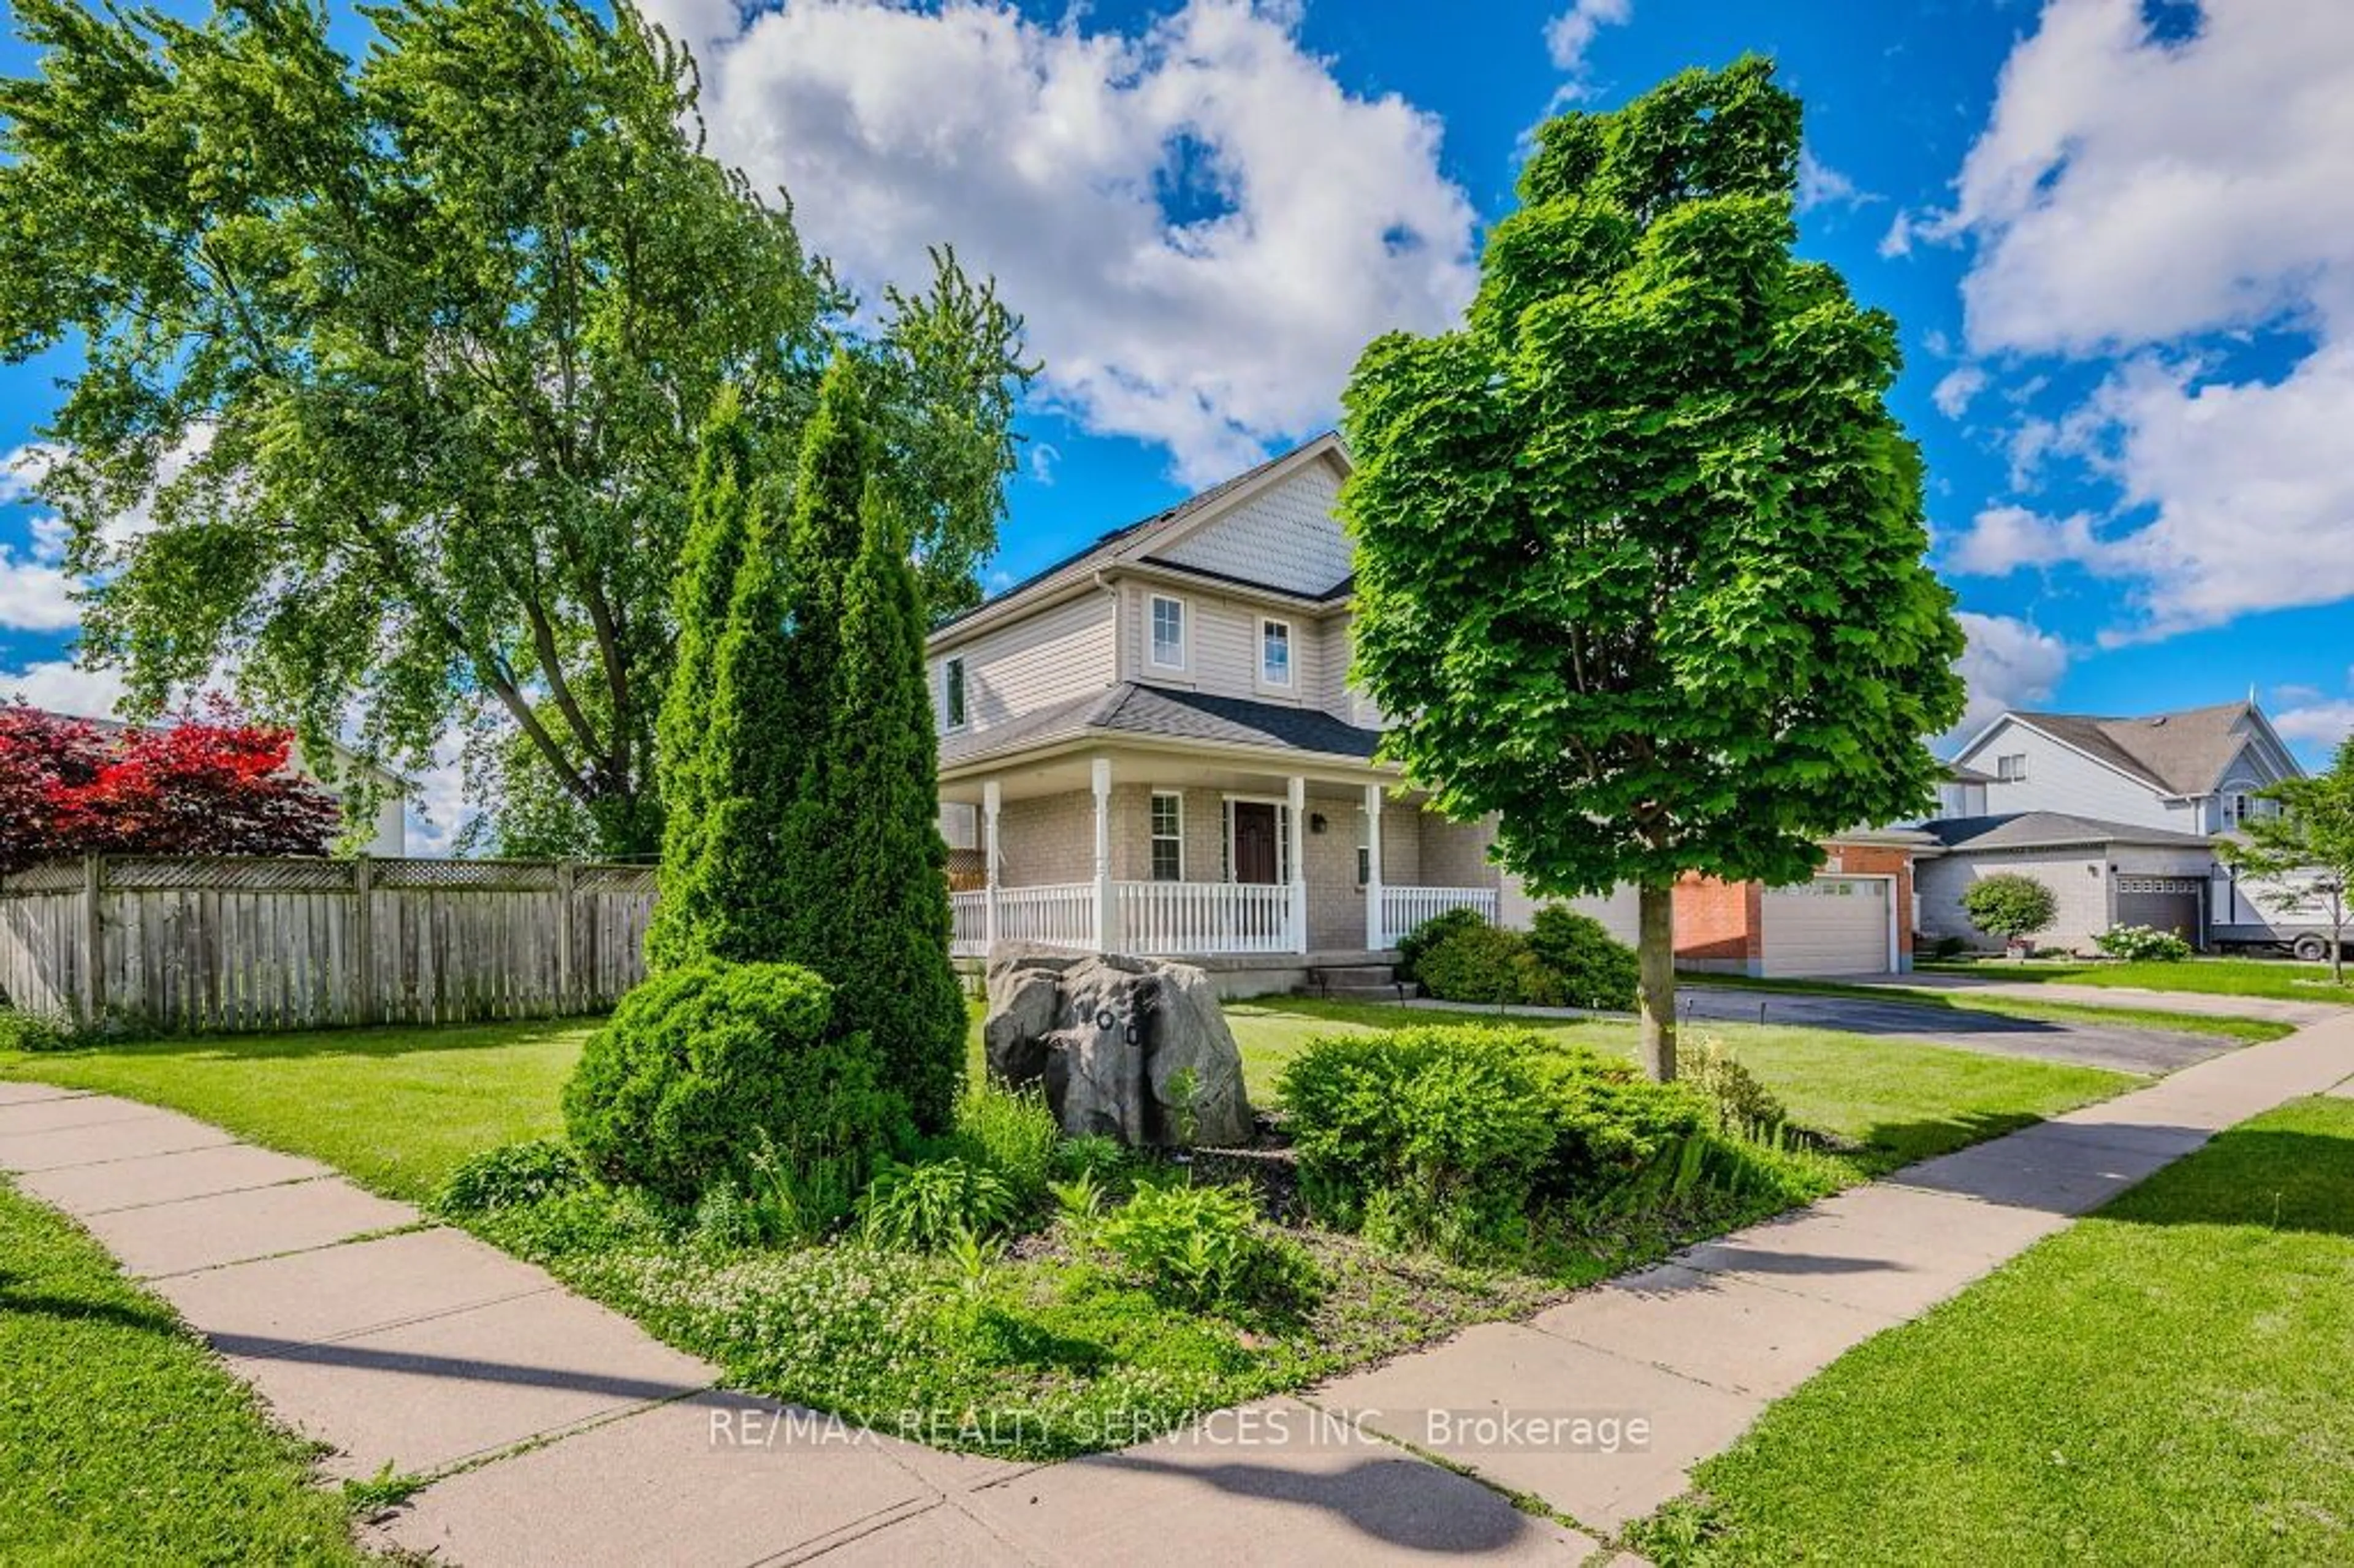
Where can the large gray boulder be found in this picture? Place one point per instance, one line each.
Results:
(1110, 1039)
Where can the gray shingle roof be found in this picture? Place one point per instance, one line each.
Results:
(2039, 830)
(2182, 753)
(1164, 713)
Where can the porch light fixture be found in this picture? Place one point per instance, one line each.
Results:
(1315, 821)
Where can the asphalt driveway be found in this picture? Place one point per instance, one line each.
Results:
(2114, 1045)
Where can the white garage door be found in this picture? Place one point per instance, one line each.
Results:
(1833, 926)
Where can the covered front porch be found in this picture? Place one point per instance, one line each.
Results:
(1159, 854)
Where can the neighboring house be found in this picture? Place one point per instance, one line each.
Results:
(1152, 747)
(2101, 875)
(2117, 815)
(389, 839)
(2194, 771)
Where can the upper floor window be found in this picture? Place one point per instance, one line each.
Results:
(2010, 769)
(1275, 652)
(1168, 632)
(1168, 838)
(952, 701)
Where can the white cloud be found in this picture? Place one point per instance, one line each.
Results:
(1571, 33)
(2005, 539)
(1819, 184)
(2008, 665)
(63, 687)
(1898, 240)
(2323, 723)
(1953, 392)
(33, 593)
(2136, 197)
(1307, 219)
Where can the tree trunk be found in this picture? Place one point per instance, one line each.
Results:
(1655, 986)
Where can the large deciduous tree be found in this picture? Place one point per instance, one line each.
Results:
(1639, 545)
(392, 370)
(2307, 852)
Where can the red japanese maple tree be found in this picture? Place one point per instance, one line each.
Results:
(209, 784)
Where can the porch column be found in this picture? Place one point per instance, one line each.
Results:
(992, 798)
(1374, 932)
(1106, 939)
(1299, 829)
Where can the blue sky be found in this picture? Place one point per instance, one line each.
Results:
(2116, 234)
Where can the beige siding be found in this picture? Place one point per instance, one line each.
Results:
(1053, 656)
(1285, 538)
(1222, 646)
(2079, 880)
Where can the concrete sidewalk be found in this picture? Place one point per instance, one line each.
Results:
(2208, 1003)
(559, 1433)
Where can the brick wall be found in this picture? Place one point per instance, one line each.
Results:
(1454, 855)
(1718, 925)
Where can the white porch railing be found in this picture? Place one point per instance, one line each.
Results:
(1404, 909)
(1062, 916)
(969, 929)
(1178, 918)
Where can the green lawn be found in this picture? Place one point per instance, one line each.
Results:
(2170, 1381)
(2276, 979)
(121, 1440)
(395, 1107)
(2248, 1031)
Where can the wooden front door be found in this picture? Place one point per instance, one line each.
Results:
(1256, 857)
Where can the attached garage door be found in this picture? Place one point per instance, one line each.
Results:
(1832, 925)
(2161, 903)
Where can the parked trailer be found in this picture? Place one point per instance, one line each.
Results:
(2261, 916)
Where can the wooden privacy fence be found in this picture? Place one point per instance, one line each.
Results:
(259, 944)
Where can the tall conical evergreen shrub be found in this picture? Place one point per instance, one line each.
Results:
(884, 939)
(719, 518)
(820, 543)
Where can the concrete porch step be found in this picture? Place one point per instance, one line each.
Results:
(1353, 975)
(1397, 990)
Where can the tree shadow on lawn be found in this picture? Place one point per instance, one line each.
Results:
(1891, 1145)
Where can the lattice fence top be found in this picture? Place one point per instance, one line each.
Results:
(50, 876)
(291, 873)
(229, 874)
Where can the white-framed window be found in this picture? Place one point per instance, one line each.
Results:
(952, 698)
(1168, 632)
(1167, 837)
(2010, 769)
(1364, 849)
(2236, 808)
(1274, 651)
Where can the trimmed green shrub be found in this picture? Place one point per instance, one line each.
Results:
(2009, 905)
(510, 1176)
(1454, 1135)
(1447, 1122)
(703, 1067)
(920, 1208)
(1483, 963)
(1588, 966)
(1204, 1247)
(1430, 934)
(1013, 1132)
(2142, 944)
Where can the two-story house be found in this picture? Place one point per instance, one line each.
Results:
(2117, 815)
(1155, 748)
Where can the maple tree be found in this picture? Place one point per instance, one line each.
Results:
(209, 784)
